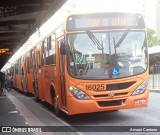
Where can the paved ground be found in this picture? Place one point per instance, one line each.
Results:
(20, 110)
(9, 115)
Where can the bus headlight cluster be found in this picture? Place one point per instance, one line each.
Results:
(77, 93)
(141, 89)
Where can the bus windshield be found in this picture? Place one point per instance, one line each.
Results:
(107, 55)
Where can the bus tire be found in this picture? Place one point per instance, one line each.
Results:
(36, 93)
(115, 110)
(22, 86)
(57, 111)
(36, 99)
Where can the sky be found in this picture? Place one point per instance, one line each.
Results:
(107, 5)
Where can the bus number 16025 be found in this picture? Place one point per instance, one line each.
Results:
(95, 87)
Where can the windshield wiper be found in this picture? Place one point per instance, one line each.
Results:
(94, 40)
(122, 38)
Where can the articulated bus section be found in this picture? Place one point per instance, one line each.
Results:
(93, 62)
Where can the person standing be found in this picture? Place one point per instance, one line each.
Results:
(2, 81)
(8, 82)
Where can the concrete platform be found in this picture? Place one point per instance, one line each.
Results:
(20, 110)
(10, 116)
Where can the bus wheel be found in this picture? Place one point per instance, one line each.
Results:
(36, 95)
(36, 99)
(57, 111)
(115, 110)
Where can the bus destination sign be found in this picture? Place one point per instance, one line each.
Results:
(101, 21)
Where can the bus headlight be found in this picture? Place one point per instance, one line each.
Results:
(77, 93)
(141, 89)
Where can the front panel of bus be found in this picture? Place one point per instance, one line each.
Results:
(107, 62)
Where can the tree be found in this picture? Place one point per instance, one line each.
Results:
(152, 40)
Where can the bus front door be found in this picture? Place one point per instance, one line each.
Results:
(40, 76)
(35, 85)
(62, 79)
(25, 75)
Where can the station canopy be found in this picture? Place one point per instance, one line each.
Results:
(19, 19)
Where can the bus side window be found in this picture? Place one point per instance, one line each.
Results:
(51, 50)
(42, 54)
(19, 66)
(42, 61)
(46, 48)
(38, 60)
(28, 65)
(22, 71)
(16, 68)
(31, 59)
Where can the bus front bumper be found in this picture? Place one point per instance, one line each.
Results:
(76, 106)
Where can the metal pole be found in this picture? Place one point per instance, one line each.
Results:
(153, 75)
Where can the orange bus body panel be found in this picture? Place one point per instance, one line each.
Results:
(30, 83)
(19, 79)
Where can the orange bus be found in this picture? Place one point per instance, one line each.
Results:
(17, 74)
(22, 74)
(93, 62)
(27, 68)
